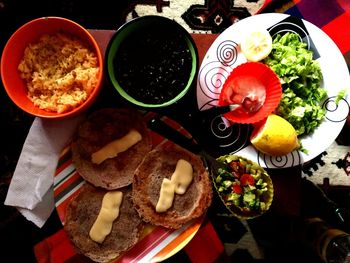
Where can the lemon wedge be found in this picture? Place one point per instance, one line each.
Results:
(256, 45)
(275, 137)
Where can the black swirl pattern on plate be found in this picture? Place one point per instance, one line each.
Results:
(230, 136)
(227, 52)
(289, 160)
(214, 75)
(294, 25)
(336, 111)
(219, 136)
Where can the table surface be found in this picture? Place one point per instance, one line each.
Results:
(292, 196)
(287, 182)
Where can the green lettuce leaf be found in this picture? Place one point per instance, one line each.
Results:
(301, 78)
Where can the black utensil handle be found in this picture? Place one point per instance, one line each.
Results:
(217, 110)
(163, 129)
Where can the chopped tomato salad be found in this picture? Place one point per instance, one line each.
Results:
(244, 187)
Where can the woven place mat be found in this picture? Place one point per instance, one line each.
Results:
(332, 167)
(208, 17)
(197, 16)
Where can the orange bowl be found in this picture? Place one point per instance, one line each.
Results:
(30, 33)
(258, 74)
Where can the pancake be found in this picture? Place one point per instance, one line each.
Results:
(99, 129)
(81, 214)
(159, 164)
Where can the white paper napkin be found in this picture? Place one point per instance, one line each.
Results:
(31, 187)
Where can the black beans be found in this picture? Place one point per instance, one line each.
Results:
(153, 66)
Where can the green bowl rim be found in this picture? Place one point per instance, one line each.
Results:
(113, 45)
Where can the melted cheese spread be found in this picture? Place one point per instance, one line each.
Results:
(108, 213)
(166, 197)
(115, 147)
(182, 176)
(179, 182)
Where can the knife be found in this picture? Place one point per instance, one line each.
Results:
(162, 128)
(248, 105)
(218, 110)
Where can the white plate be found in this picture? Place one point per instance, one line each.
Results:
(224, 55)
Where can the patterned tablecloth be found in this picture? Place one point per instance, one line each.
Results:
(212, 17)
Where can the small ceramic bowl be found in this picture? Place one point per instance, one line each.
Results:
(151, 61)
(246, 189)
(251, 77)
(29, 34)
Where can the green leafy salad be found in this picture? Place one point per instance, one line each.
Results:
(301, 79)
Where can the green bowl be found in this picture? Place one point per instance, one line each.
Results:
(151, 61)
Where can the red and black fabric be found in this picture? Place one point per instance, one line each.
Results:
(332, 16)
